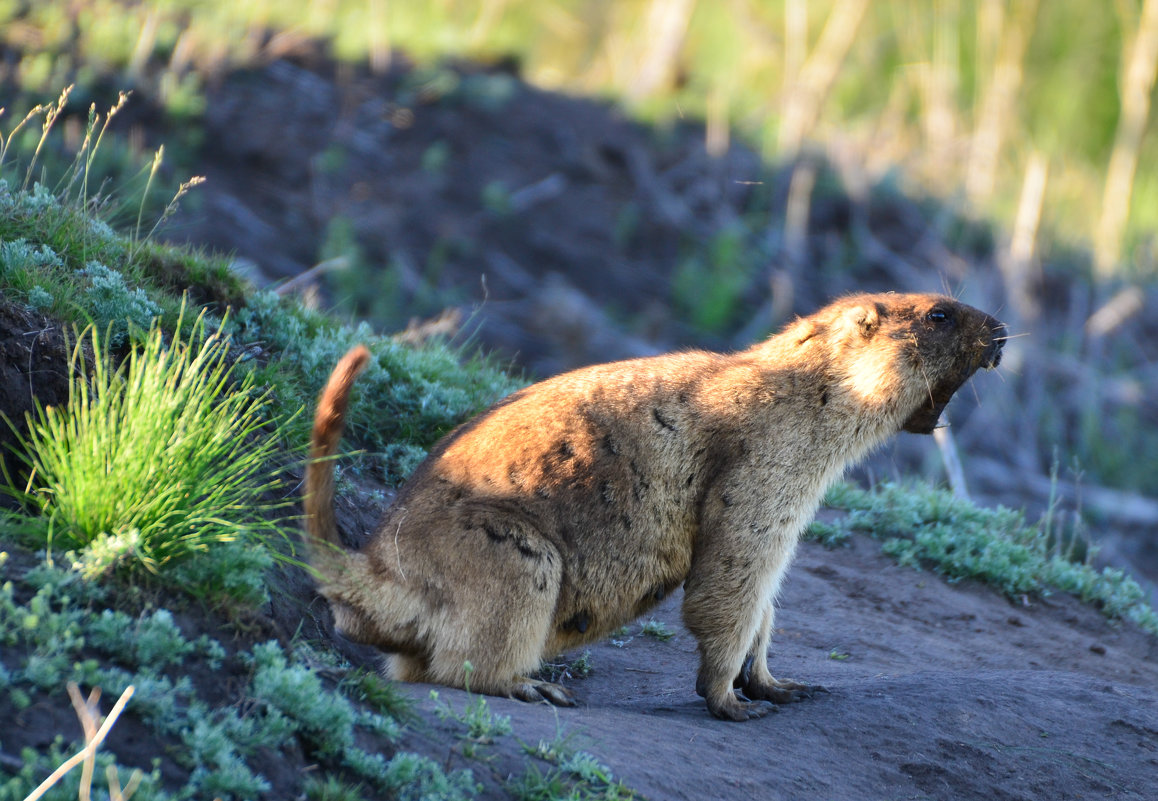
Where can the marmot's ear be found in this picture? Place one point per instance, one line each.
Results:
(862, 320)
(805, 330)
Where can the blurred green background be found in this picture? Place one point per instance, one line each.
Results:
(968, 97)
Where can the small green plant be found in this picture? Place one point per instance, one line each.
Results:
(379, 694)
(330, 788)
(578, 668)
(838, 655)
(827, 534)
(496, 198)
(709, 286)
(574, 776)
(657, 630)
(1070, 542)
(621, 637)
(482, 725)
(114, 307)
(325, 719)
(152, 640)
(411, 777)
(436, 157)
(153, 464)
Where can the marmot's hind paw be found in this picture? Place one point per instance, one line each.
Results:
(535, 692)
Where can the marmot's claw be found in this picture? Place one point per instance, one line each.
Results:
(737, 710)
(783, 691)
(556, 694)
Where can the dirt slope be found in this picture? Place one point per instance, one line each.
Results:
(948, 691)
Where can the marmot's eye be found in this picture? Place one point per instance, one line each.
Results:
(937, 316)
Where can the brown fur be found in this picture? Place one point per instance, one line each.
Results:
(573, 506)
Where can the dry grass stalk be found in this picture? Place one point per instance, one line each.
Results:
(818, 73)
(146, 43)
(947, 445)
(717, 132)
(997, 105)
(443, 325)
(794, 242)
(1019, 268)
(380, 37)
(666, 26)
(1136, 85)
(795, 40)
(939, 83)
(798, 207)
(1116, 312)
(95, 731)
(308, 278)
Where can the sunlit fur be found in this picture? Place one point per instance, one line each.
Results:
(573, 506)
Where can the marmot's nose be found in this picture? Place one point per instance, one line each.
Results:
(997, 336)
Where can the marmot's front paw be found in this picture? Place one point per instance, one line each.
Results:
(780, 691)
(730, 707)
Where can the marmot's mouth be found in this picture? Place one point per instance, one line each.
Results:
(926, 417)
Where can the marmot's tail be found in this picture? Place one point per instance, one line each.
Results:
(329, 421)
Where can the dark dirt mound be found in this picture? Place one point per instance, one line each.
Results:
(463, 184)
(34, 359)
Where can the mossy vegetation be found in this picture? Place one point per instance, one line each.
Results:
(923, 526)
(70, 638)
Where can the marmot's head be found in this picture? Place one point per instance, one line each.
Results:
(949, 341)
(905, 354)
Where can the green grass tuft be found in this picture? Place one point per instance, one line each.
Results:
(379, 694)
(330, 788)
(154, 465)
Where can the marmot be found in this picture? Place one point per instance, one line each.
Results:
(573, 506)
